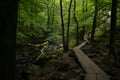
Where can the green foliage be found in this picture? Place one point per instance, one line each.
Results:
(21, 38)
(33, 16)
(72, 43)
(32, 22)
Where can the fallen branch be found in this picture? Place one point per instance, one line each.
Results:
(42, 50)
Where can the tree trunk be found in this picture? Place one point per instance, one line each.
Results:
(86, 6)
(94, 21)
(84, 9)
(50, 5)
(53, 13)
(83, 33)
(76, 21)
(83, 4)
(67, 38)
(48, 15)
(113, 28)
(62, 24)
(8, 23)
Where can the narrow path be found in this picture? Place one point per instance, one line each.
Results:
(93, 72)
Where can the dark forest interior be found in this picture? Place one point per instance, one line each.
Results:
(60, 40)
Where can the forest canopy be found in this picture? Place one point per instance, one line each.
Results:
(40, 20)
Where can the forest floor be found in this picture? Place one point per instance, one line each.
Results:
(54, 65)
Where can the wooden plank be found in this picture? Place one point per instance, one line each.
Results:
(82, 61)
(93, 72)
(103, 77)
(82, 44)
(90, 77)
(91, 63)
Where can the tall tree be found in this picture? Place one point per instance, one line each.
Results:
(83, 5)
(86, 6)
(69, 14)
(94, 21)
(113, 28)
(76, 21)
(62, 24)
(53, 13)
(83, 27)
(8, 23)
(48, 13)
(84, 10)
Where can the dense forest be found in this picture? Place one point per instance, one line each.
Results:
(67, 22)
(51, 28)
(47, 31)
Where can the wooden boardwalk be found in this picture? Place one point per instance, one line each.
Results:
(93, 72)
